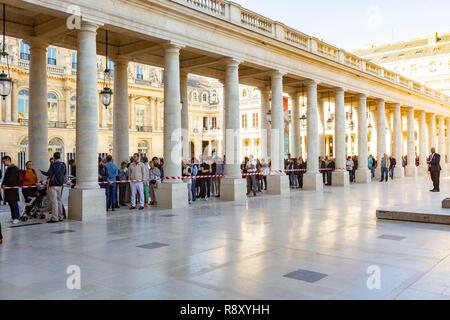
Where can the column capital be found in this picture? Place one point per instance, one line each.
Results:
(362, 96)
(277, 74)
(89, 26)
(172, 47)
(339, 90)
(311, 83)
(120, 61)
(36, 43)
(232, 62)
(380, 101)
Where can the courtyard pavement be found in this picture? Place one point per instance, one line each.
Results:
(304, 245)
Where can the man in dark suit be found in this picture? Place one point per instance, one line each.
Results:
(11, 179)
(434, 167)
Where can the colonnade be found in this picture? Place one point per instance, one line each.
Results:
(86, 201)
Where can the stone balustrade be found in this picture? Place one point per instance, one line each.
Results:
(248, 19)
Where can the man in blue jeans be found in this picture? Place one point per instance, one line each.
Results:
(111, 191)
(385, 163)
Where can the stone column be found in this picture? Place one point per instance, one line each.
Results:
(185, 116)
(448, 147)
(363, 174)
(67, 96)
(277, 183)
(340, 176)
(132, 113)
(14, 107)
(121, 144)
(312, 180)
(172, 193)
(410, 170)
(423, 150)
(87, 200)
(322, 124)
(441, 145)
(265, 126)
(295, 150)
(433, 132)
(232, 187)
(38, 113)
(397, 145)
(381, 134)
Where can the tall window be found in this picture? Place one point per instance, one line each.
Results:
(143, 147)
(139, 72)
(245, 93)
(73, 109)
(74, 60)
(140, 117)
(205, 123)
(244, 123)
(51, 56)
(205, 97)
(23, 103)
(55, 145)
(195, 96)
(53, 109)
(24, 51)
(255, 120)
(214, 122)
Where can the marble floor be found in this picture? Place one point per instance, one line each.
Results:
(304, 245)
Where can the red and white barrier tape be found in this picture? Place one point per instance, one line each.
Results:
(244, 175)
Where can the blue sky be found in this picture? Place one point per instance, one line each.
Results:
(352, 24)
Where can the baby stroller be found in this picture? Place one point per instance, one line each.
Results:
(33, 207)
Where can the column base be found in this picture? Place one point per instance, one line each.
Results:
(86, 205)
(312, 182)
(233, 189)
(340, 179)
(422, 171)
(399, 173)
(277, 184)
(172, 195)
(363, 176)
(410, 171)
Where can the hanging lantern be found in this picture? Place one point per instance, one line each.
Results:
(5, 78)
(106, 93)
(303, 118)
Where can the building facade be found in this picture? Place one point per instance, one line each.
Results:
(426, 60)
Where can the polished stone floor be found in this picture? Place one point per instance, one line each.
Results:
(304, 245)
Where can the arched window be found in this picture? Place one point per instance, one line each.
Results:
(245, 93)
(432, 67)
(53, 107)
(143, 147)
(56, 145)
(204, 97)
(23, 145)
(73, 109)
(194, 96)
(23, 104)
